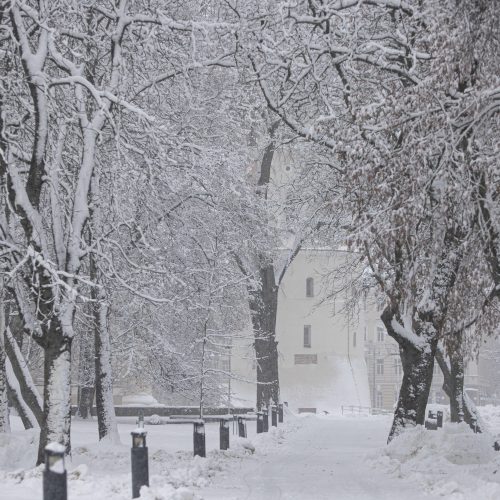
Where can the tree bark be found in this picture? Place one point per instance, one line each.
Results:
(86, 367)
(85, 402)
(418, 367)
(470, 413)
(263, 307)
(21, 383)
(56, 423)
(106, 419)
(457, 387)
(4, 399)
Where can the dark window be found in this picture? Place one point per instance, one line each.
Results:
(306, 359)
(309, 287)
(307, 335)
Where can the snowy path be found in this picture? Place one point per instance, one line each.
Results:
(322, 459)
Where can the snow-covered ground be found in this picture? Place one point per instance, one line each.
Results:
(310, 457)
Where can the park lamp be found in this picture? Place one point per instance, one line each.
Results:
(54, 458)
(139, 438)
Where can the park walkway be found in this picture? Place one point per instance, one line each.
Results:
(322, 458)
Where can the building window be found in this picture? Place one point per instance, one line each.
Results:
(306, 359)
(307, 335)
(309, 287)
(354, 338)
(380, 366)
(380, 334)
(398, 369)
(380, 400)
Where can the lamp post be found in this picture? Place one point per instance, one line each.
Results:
(55, 482)
(139, 459)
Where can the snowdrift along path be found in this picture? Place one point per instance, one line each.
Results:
(321, 458)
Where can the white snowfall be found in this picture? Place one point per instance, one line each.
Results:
(308, 457)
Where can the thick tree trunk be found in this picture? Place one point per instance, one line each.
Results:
(470, 414)
(263, 307)
(56, 423)
(417, 360)
(21, 383)
(418, 368)
(106, 419)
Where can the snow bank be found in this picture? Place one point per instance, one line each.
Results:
(101, 470)
(451, 462)
(18, 449)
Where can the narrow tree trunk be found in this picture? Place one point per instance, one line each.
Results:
(457, 387)
(86, 368)
(56, 423)
(4, 399)
(21, 383)
(263, 307)
(106, 419)
(85, 402)
(470, 413)
(22, 409)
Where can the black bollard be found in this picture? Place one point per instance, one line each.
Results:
(474, 424)
(439, 419)
(139, 456)
(55, 482)
(260, 422)
(431, 424)
(280, 413)
(274, 416)
(265, 418)
(199, 438)
(224, 434)
(242, 427)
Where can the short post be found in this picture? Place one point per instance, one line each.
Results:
(242, 427)
(265, 418)
(139, 458)
(274, 416)
(224, 434)
(199, 438)
(439, 419)
(260, 422)
(55, 482)
(280, 413)
(474, 423)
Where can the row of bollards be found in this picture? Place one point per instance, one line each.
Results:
(55, 476)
